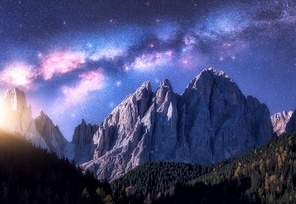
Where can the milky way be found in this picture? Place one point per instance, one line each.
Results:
(79, 59)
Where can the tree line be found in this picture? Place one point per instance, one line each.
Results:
(31, 175)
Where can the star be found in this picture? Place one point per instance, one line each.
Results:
(118, 83)
(76, 56)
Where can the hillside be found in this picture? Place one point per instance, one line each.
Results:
(147, 180)
(32, 175)
(265, 175)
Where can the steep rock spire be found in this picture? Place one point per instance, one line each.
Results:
(51, 134)
(211, 121)
(83, 142)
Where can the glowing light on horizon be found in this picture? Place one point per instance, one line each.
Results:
(5, 116)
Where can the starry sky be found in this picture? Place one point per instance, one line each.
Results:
(80, 58)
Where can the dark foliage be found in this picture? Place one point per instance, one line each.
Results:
(32, 175)
(150, 180)
(266, 175)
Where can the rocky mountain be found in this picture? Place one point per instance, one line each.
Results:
(17, 118)
(51, 134)
(291, 125)
(212, 120)
(279, 121)
(83, 142)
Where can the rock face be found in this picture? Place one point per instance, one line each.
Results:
(51, 134)
(291, 125)
(279, 122)
(16, 117)
(83, 142)
(211, 121)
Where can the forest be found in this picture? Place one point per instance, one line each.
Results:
(265, 175)
(31, 175)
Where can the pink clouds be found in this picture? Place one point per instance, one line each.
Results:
(89, 81)
(17, 74)
(61, 63)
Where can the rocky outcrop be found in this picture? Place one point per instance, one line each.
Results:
(16, 116)
(119, 140)
(83, 142)
(211, 121)
(217, 120)
(291, 125)
(279, 121)
(51, 134)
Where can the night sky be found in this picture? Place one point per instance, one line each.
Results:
(79, 59)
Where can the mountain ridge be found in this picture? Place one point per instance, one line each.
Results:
(17, 117)
(263, 175)
(280, 120)
(200, 125)
(197, 126)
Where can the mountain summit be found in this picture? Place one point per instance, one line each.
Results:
(279, 121)
(211, 121)
(16, 117)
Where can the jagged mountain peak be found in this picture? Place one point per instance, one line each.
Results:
(287, 113)
(143, 90)
(280, 120)
(83, 133)
(212, 120)
(83, 141)
(146, 86)
(214, 73)
(40, 131)
(210, 78)
(164, 95)
(18, 117)
(83, 122)
(166, 83)
(51, 134)
(15, 91)
(15, 99)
